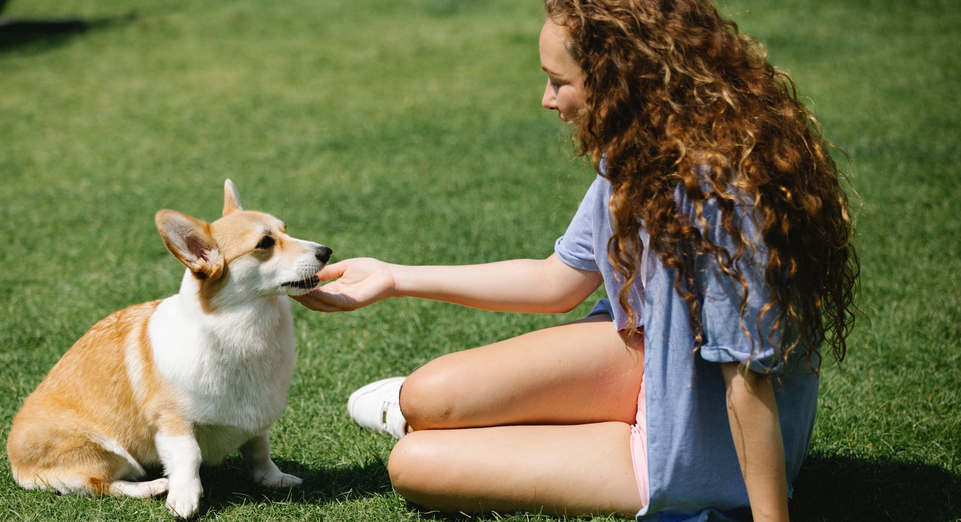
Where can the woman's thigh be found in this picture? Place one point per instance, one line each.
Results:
(571, 469)
(580, 372)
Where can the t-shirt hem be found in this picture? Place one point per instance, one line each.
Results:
(573, 261)
(728, 354)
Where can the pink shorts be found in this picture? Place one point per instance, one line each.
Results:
(639, 449)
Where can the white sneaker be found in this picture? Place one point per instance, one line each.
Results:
(376, 407)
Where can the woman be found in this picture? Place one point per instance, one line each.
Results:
(720, 231)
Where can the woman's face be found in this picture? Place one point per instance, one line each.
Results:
(565, 80)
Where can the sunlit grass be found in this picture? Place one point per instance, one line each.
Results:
(412, 132)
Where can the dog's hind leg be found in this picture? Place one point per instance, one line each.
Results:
(69, 461)
(97, 468)
(91, 478)
(121, 465)
(153, 488)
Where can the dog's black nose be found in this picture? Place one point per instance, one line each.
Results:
(323, 254)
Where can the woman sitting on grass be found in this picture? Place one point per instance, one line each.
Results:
(719, 229)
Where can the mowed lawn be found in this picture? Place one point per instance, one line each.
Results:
(412, 132)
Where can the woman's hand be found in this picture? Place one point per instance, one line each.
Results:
(359, 282)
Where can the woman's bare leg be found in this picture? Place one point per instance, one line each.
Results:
(568, 469)
(537, 422)
(576, 373)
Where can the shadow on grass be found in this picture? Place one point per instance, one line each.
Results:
(828, 489)
(229, 484)
(833, 488)
(46, 34)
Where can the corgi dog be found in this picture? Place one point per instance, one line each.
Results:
(178, 382)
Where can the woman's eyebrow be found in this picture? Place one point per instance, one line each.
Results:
(550, 72)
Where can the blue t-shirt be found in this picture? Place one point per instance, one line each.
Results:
(692, 463)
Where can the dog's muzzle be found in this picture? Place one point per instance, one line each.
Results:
(307, 283)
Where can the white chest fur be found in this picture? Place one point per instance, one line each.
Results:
(231, 367)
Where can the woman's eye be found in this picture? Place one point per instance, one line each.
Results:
(265, 243)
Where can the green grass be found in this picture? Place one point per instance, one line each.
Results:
(411, 131)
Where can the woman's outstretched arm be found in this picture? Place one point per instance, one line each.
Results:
(519, 285)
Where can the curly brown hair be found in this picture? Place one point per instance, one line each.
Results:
(672, 88)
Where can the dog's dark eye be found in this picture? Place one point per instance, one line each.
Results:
(265, 243)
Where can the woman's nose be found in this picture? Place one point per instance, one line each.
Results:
(549, 101)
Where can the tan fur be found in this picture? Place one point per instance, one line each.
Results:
(236, 234)
(54, 436)
(123, 398)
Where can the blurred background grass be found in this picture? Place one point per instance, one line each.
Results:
(412, 131)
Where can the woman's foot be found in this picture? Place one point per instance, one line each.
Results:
(376, 407)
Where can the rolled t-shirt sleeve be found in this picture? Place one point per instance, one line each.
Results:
(730, 333)
(576, 247)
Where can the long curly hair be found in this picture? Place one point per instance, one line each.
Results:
(671, 88)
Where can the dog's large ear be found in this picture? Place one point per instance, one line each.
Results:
(231, 198)
(190, 241)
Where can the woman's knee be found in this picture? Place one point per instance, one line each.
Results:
(399, 463)
(413, 468)
(427, 398)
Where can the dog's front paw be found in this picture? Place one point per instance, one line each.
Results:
(184, 501)
(280, 480)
